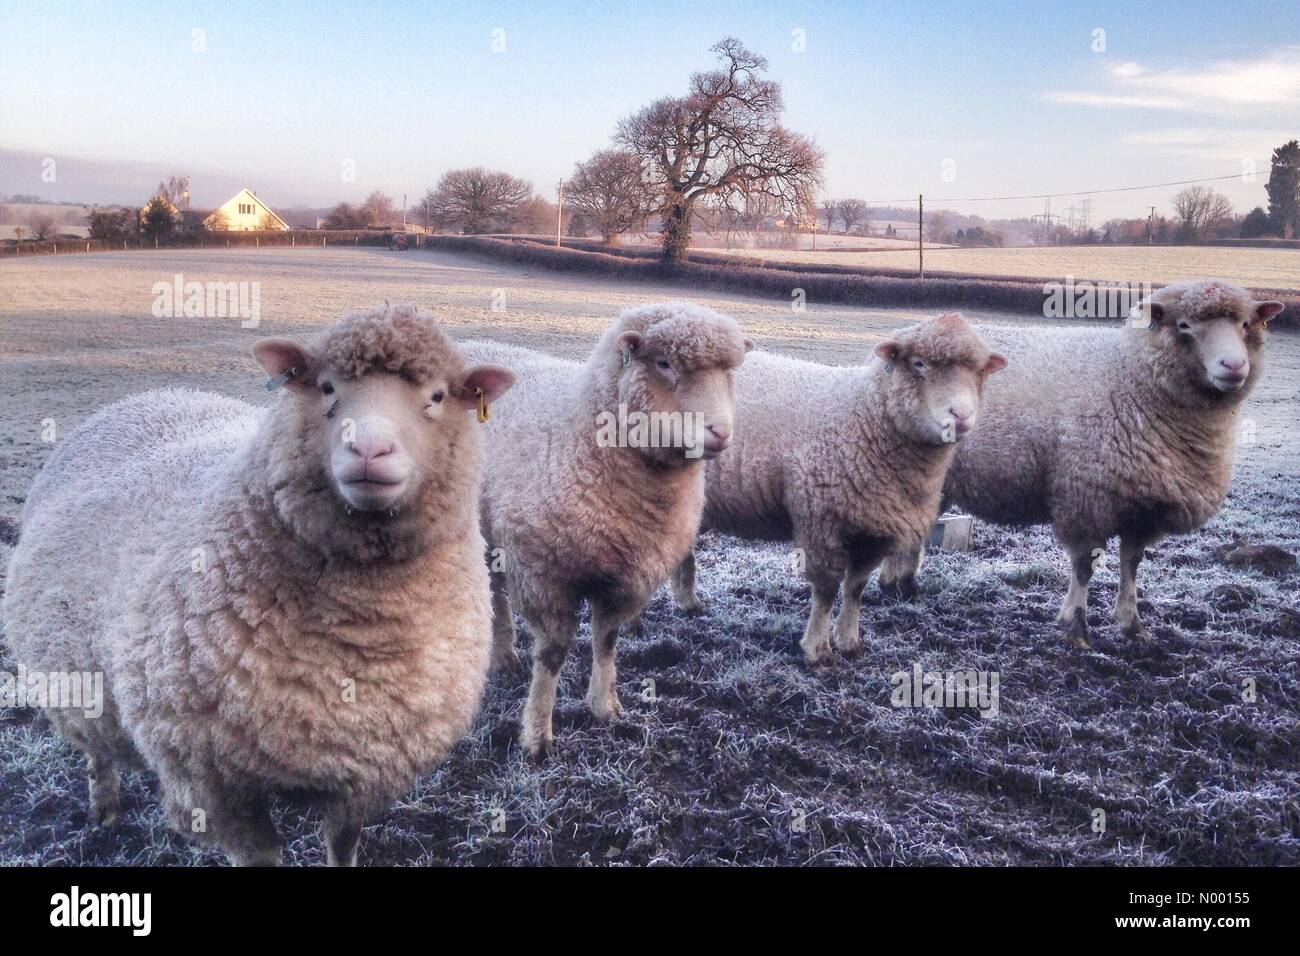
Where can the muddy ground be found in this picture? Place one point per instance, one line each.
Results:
(730, 751)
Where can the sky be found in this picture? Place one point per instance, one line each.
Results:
(317, 103)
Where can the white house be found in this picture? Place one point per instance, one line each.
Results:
(244, 212)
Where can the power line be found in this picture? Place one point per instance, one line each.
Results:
(1080, 192)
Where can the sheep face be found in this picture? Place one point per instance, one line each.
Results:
(935, 376)
(1210, 335)
(689, 393)
(381, 437)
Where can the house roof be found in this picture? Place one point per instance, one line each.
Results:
(255, 198)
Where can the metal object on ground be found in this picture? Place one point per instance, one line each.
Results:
(951, 533)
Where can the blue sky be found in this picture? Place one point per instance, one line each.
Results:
(1012, 93)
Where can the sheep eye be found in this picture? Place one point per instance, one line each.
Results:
(437, 396)
(918, 365)
(327, 388)
(1185, 326)
(664, 364)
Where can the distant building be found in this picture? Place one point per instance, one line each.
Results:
(244, 212)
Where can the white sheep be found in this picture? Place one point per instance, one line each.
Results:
(847, 462)
(282, 601)
(576, 508)
(1105, 432)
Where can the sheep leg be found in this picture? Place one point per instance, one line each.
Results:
(846, 636)
(550, 647)
(504, 656)
(243, 828)
(682, 585)
(602, 694)
(898, 575)
(342, 834)
(105, 790)
(816, 643)
(1074, 611)
(1131, 548)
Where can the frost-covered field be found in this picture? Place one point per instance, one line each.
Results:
(1258, 268)
(740, 755)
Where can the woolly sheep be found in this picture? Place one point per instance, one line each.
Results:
(282, 601)
(847, 462)
(574, 511)
(1105, 432)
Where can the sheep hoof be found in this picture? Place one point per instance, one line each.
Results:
(1076, 630)
(605, 709)
(902, 589)
(507, 662)
(851, 648)
(101, 818)
(691, 605)
(537, 746)
(818, 656)
(1137, 631)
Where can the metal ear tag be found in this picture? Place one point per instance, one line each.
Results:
(627, 359)
(281, 379)
(889, 366)
(484, 410)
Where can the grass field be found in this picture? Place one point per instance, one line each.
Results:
(741, 755)
(1261, 268)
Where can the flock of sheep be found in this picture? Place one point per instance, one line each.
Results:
(305, 600)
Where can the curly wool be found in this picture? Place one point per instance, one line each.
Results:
(1096, 430)
(398, 339)
(829, 457)
(242, 659)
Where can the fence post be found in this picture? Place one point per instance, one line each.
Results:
(920, 233)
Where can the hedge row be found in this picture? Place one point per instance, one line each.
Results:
(835, 284)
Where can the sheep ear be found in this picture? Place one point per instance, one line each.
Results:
(1267, 310)
(492, 380)
(749, 345)
(1154, 312)
(628, 343)
(889, 351)
(996, 363)
(287, 362)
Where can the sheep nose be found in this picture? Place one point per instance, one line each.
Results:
(963, 416)
(721, 432)
(1234, 364)
(371, 444)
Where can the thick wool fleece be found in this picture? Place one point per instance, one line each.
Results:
(831, 457)
(575, 521)
(254, 638)
(1105, 432)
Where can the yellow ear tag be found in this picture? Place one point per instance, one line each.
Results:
(484, 412)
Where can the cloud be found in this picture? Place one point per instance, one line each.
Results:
(1211, 143)
(1272, 81)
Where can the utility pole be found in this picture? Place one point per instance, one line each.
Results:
(559, 212)
(920, 233)
(1151, 227)
(403, 212)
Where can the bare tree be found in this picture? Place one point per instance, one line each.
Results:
(610, 191)
(852, 212)
(723, 137)
(176, 190)
(378, 209)
(477, 200)
(345, 216)
(1201, 209)
(936, 226)
(41, 224)
(829, 210)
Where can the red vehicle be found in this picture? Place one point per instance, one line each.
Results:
(399, 241)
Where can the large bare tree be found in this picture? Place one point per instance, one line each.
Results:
(378, 209)
(1201, 209)
(610, 191)
(723, 137)
(852, 212)
(477, 200)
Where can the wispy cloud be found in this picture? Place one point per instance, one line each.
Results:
(1211, 143)
(1263, 84)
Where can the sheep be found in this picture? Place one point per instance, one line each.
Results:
(846, 462)
(282, 601)
(1105, 432)
(581, 504)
